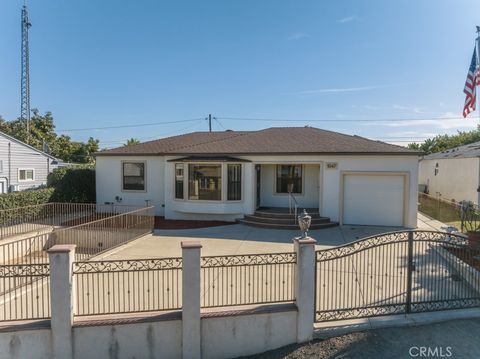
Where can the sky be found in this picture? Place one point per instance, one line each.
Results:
(164, 66)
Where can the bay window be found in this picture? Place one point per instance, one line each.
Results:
(205, 182)
(234, 182)
(179, 181)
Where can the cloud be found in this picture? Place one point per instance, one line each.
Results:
(348, 19)
(342, 90)
(298, 36)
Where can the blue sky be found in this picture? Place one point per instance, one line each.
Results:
(111, 63)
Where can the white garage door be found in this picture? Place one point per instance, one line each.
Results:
(373, 200)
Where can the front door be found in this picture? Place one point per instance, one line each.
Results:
(257, 171)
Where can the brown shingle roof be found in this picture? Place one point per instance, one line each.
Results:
(275, 140)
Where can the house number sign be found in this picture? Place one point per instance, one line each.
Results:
(332, 165)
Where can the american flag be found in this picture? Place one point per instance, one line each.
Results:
(473, 79)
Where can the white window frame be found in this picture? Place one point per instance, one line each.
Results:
(144, 176)
(26, 179)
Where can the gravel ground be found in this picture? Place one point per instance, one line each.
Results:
(459, 338)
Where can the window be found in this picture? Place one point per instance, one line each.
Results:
(234, 183)
(289, 178)
(26, 174)
(134, 176)
(179, 180)
(205, 182)
(1, 166)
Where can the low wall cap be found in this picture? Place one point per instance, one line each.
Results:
(62, 248)
(191, 244)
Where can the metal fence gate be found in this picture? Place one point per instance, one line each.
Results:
(397, 272)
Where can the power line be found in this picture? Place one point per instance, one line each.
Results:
(342, 120)
(128, 126)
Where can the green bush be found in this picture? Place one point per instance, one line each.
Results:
(26, 198)
(73, 184)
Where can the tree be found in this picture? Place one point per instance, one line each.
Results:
(42, 136)
(132, 141)
(444, 142)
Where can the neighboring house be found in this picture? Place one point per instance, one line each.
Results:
(22, 166)
(226, 175)
(452, 174)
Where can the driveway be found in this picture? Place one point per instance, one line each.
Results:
(241, 239)
(453, 339)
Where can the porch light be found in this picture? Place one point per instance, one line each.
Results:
(304, 222)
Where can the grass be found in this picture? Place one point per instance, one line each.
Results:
(442, 211)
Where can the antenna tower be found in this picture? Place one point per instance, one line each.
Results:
(25, 73)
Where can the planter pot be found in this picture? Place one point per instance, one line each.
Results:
(474, 240)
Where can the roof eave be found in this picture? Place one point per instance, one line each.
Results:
(106, 154)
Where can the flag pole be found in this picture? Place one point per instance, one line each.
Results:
(477, 51)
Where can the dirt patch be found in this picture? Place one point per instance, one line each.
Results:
(469, 256)
(162, 223)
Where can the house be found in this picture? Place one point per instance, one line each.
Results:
(23, 166)
(452, 174)
(226, 175)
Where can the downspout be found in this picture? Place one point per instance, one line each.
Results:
(9, 166)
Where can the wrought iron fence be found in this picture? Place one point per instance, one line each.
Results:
(247, 279)
(46, 217)
(24, 292)
(92, 238)
(398, 272)
(128, 286)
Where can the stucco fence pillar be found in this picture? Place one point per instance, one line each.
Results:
(61, 259)
(305, 287)
(191, 325)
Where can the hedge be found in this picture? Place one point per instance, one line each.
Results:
(73, 184)
(26, 198)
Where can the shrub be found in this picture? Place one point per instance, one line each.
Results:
(73, 184)
(25, 198)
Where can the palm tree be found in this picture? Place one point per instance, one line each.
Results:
(131, 141)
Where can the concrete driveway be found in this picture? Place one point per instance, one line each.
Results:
(241, 239)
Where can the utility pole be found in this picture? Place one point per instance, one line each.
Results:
(210, 123)
(25, 73)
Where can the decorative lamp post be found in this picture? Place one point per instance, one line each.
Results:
(304, 222)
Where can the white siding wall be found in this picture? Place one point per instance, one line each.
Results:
(309, 198)
(457, 178)
(109, 182)
(22, 157)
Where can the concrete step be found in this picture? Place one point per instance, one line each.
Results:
(282, 220)
(284, 212)
(285, 226)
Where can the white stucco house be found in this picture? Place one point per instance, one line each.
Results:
(452, 174)
(227, 175)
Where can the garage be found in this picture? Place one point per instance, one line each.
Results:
(374, 199)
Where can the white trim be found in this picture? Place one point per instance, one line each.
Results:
(26, 179)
